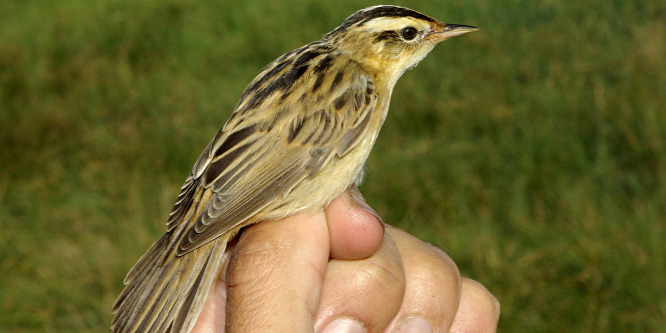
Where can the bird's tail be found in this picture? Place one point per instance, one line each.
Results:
(165, 292)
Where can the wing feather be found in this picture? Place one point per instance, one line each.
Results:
(257, 160)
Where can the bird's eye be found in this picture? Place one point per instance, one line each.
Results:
(408, 33)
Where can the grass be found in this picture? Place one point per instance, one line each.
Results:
(533, 151)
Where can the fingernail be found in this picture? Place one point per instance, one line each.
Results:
(415, 325)
(360, 201)
(344, 325)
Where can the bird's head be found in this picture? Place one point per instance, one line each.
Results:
(388, 40)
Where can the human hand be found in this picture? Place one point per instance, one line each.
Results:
(280, 279)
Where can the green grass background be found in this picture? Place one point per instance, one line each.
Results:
(532, 151)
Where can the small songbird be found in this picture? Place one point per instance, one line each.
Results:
(298, 138)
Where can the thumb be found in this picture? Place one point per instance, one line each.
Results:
(355, 229)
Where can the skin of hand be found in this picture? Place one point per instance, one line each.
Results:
(378, 279)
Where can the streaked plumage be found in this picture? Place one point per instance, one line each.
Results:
(298, 138)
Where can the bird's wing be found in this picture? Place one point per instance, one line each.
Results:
(294, 117)
(271, 143)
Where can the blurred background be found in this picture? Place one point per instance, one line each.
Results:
(532, 151)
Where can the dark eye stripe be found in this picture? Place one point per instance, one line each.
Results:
(387, 35)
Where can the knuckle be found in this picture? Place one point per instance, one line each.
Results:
(380, 275)
(484, 299)
(438, 269)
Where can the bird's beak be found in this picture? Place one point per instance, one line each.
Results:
(445, 31)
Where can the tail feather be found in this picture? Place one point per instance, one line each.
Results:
(156, 253)
(185, 320)
(165, 292)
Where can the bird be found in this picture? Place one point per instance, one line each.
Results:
(298, 137)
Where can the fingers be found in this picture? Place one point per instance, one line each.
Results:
(362, 293)
(276, 279)
(355, 229)
(433, 288)
(365, 295)
(478, 311)
(275, 275)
